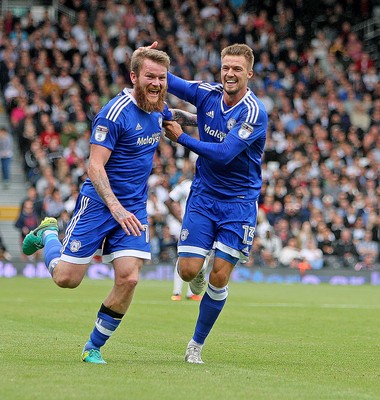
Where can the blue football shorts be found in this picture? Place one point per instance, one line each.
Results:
(92, 230)
(209, 223)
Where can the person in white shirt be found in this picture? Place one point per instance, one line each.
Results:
(176, 203)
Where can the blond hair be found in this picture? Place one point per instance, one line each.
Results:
(239, 50)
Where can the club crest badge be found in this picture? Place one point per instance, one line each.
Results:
(101, 133)
(231, 123)
(75, 245)
(160, 121)
(184, 234)
(245, 130)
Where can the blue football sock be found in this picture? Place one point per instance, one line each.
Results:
(105, 325)
(209, 310)
(52, 251)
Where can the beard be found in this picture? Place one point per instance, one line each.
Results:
(146, 105)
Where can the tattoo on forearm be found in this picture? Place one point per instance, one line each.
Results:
(184, 117)
(103, 188)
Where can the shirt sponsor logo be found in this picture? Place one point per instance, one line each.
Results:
(150, 140)
(101, 133)
(245, 130)
(215, 133)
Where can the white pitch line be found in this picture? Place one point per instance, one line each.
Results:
(272, 305)
(301, 305)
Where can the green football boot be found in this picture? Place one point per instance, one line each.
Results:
(33, 240)
(92, 356)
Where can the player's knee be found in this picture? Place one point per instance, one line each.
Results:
(66, 281)
(189, 268)
(127, 281)
(218, 278)
(132, 282)
(186, 274)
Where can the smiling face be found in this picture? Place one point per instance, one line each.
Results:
(235, 74)
(150, 86)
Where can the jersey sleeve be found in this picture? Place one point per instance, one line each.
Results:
(177, 193)
(246, 131)
(185, 90)
(166, 113)
(104, 132)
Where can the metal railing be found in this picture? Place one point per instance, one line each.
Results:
(369, 31)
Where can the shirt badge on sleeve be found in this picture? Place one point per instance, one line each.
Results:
(101, 133)
(245, 130)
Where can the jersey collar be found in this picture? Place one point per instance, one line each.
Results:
(225, 109)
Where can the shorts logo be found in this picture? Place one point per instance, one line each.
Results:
(184, 234)
(245, 251)
(75, 246)
(231, 123)
(101, 133)
(245, 131)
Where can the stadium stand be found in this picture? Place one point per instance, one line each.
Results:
(316, 70)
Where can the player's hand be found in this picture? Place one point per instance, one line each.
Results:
(152, 46)
(173, 130)
(128, 221)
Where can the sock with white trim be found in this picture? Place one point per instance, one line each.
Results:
(52, 250)
(177, 281)
(209, 309)
(105, 325)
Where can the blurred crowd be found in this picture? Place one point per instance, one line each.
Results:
(319, 206)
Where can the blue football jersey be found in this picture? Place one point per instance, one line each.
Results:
(232, 140)
(133, 136)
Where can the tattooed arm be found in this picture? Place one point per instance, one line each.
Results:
(184, 118)
(99, 156)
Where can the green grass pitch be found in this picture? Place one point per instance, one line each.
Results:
(272, 341)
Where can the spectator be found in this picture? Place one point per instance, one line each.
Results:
(4, 255)
(311, 254)
(345, 252)
(26, 222)
(290, 255)
(367, 248)
(6, 155)
(326, 242)
(48, 135)
(53, 204)
(271, 248)
(367, 264)
(168, 246)
(32, 195)
(47, 183)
